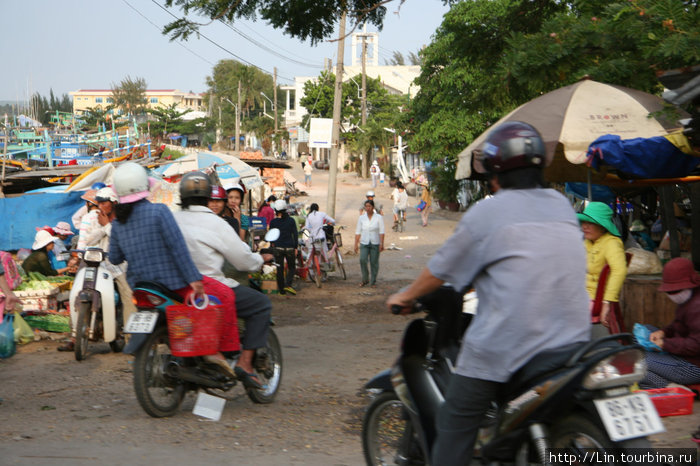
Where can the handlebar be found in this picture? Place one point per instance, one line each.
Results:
(414, 308)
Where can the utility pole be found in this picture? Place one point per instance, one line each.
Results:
(337, 101)
(365, 165)
(274, 97)
(238, 121)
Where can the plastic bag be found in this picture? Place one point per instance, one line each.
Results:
(7, 337)
(641, 334)
(23, 332)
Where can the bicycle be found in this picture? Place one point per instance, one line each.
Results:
(314, 262)
(398, 224)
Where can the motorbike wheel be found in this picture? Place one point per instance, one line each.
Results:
(315, 271)
(82, 331)
(340, 265)
(268, 367)
(387, 433)
(119, 342)
(578, 433)
(159, 394)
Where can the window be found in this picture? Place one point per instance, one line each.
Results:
(110, 100)
(154, 100)
(98, 100)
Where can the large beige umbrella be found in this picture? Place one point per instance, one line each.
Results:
(229, 168)
(572, 117)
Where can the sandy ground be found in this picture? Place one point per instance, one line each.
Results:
(56, 411)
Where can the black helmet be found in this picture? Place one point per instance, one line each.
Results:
(512, 145)
(195, 184)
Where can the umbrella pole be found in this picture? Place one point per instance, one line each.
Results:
(588, 182)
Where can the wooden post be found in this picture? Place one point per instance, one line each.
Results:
(669, 220)
(695, 223)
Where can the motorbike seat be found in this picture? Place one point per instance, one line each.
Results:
(541, 364)
(155, 286)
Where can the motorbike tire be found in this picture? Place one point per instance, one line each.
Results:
(579, 432)
(82, 329)
(386, 428)
(119, 341)
(268, 367)
(315, 271)
(158, 394)
(339, 264)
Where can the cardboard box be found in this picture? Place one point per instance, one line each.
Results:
(268, 286)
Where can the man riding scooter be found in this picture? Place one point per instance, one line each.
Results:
(521, 250)
(210, 242)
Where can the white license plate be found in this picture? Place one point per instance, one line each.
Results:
(141, 322)
(629, 416)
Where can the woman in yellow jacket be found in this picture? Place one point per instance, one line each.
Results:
(425, 197)
(603, 247)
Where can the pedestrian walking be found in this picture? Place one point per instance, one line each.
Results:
(369, 239)
(307, 175)
(428, 200)
(374, 173)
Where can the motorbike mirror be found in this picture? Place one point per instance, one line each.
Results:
(272, 235)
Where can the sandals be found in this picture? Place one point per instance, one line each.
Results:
(247, 378)
(68, 346)
(364, 284)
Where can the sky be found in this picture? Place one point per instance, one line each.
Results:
(66, 45)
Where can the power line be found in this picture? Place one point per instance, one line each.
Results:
(222, 47)
(270, 42)
(160, 29)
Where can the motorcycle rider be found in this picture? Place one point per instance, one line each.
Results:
(521, 250)
(146, 236)
(97, 235)
(210, 242)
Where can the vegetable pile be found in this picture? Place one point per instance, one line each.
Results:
(37, 281)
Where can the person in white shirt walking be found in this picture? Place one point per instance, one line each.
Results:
(400, 198)
(369, 239)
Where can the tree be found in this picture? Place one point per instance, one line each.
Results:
(42, 108)
(93, 116)
(130, 95)
(167, 115)
(461, 92)
(397, 59)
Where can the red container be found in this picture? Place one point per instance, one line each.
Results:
(192, 331)
(672, 401)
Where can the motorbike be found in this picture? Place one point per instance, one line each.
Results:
(575, 400)
(96, 307)
(161, 379)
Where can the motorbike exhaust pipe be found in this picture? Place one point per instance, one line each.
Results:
(187, 374)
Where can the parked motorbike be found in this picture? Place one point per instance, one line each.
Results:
(96, 307)
(161, 379)
(576, 399)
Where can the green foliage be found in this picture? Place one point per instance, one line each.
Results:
(318, 97)
(314, 20)
(95, 116)
(43, 107)
(172, 153)
(168, 119)
(445, 186)
(130, 95)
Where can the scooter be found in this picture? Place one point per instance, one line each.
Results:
(575, 400)
(161, 379)
(95, 305)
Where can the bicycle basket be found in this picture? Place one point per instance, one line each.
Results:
(194, 331)
(338, 240)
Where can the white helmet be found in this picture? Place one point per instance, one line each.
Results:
(130, 182)
(280, 205)
(106, 194)
(370, 194)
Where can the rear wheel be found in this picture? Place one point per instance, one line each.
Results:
(315, 270)
(340, 265)
(159, 394)
(387, 433)
(82, 330)
(578, 434)
(268, 367)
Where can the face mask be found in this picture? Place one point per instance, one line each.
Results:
(681, 296)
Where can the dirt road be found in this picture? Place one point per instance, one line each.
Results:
(56, 411)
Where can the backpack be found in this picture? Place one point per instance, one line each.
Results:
(12, 275)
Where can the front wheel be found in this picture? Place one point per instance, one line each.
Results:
(340, 265)
(315, 270)
(268, 367)
(578, 433)
(82, 330)
(387, 433)
(159, 394)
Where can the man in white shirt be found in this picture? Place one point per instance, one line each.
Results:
(400, 198)
(210, 242)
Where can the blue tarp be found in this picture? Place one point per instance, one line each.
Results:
(19, 216)
(600, 193)
(653, 157)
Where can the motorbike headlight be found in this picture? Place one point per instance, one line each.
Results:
(93, 255)
(623, 368)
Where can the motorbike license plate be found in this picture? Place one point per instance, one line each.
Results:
(141, 322)
(629, 416)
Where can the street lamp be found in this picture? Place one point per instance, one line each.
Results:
(272, 104)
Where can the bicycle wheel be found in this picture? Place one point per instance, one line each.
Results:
(339, 264)
(315, 270)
